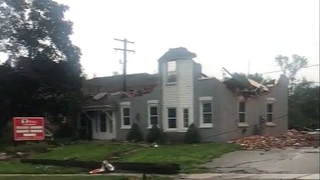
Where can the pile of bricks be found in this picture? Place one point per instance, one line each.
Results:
(291, 138)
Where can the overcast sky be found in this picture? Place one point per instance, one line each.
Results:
(223, 33)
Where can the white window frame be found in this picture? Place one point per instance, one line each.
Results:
(168, 118)
(153, 103)
(124, 105)
(171, 73)
(244, 112)
(203, 100)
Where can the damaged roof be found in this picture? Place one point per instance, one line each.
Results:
(245, 86)
(177, 53)
(105, 100)
(113, 84)
(106, 91)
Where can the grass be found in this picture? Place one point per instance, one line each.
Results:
(90, 151)
(188, 156)
(81, 178)
(66, 178)
(30, 147)
(16, 167)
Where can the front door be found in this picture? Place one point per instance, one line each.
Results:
(104, 125)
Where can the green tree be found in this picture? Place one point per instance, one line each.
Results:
(303, 96)
(304, 106)
(42, 74)
(290, 68)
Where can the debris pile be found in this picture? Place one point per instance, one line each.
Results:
(291, 138)
(248, 88)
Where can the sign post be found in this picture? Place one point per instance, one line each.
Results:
(28, 128)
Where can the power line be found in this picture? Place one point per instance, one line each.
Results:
(239, 129)
(281, 70)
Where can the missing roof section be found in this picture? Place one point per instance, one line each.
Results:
(246, 87)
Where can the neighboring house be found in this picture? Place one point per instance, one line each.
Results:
(180, 94)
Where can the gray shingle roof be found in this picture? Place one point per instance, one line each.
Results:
(113, 84)
(177, 53)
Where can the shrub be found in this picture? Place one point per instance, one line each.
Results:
(135, 134)
(192, 135)
(155, 135)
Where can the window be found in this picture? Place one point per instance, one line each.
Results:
(269, 112)
(172, 118)
(185, 118)
(206, 112)
(125, 115)
(103, 122)
(153, 114)
(242, 112)
(171, 72)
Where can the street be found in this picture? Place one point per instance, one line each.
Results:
(291, 163)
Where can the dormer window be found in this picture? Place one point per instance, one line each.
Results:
(171, 72)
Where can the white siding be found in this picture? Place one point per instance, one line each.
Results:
(179, 95)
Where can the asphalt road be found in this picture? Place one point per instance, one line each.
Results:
(276, 164)
(275, 161)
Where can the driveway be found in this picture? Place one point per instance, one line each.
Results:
(288, 161)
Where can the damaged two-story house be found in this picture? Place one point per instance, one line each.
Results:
(179, 95)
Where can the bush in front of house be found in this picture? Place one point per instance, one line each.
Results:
(135, 134)
(192, 135)
(155, 135)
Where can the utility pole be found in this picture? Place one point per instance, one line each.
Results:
(125, 50)
(248, 68)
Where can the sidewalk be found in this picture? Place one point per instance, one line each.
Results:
(216, 176)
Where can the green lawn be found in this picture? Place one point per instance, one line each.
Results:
(94, 150)
(16, 167)
(188, 156)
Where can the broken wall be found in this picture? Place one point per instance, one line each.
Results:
(225, 110)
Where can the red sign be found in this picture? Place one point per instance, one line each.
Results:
(28, 128)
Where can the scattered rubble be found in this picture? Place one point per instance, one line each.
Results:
(3, 156)
(291, 138)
